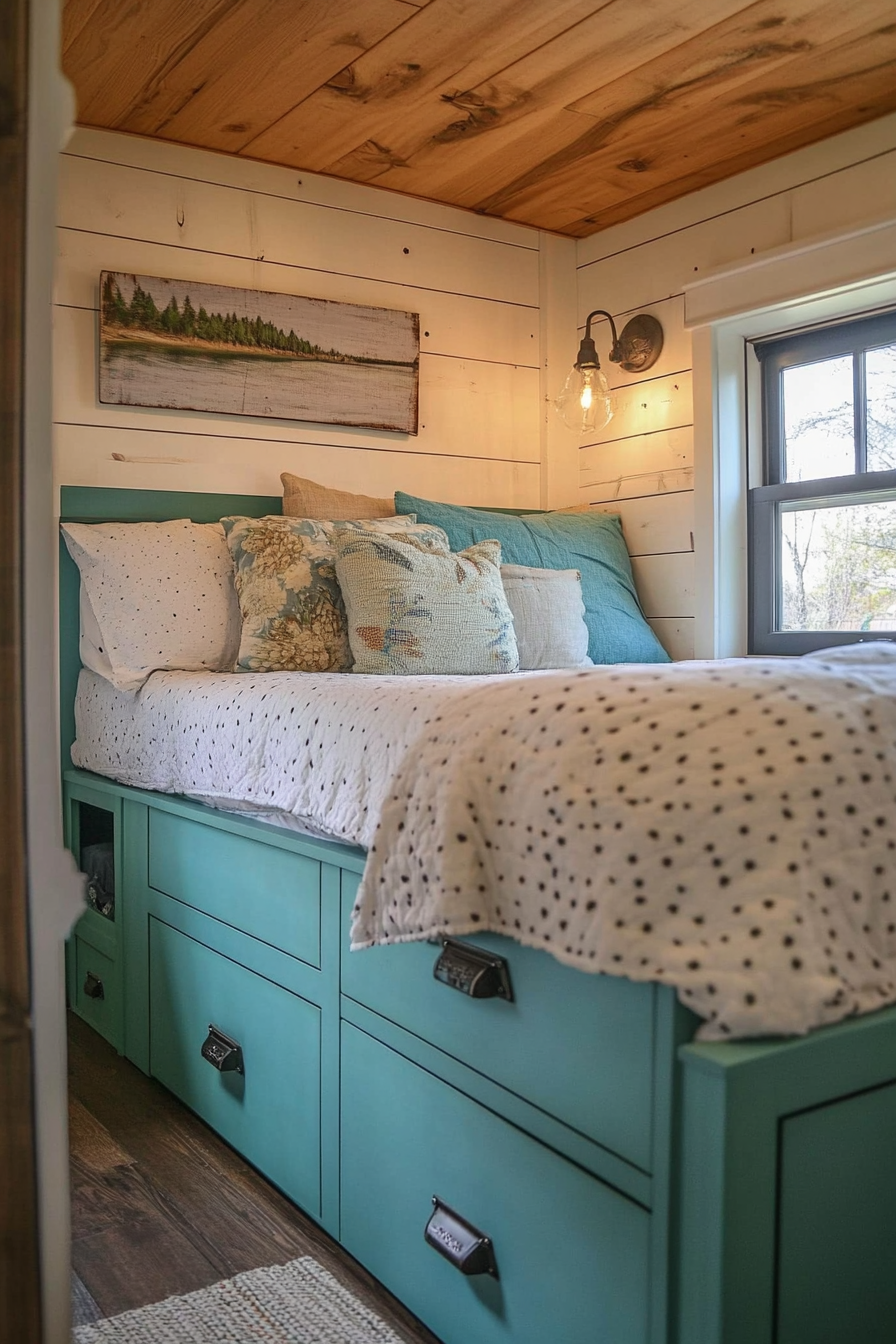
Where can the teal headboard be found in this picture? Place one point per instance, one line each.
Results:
(89, 504)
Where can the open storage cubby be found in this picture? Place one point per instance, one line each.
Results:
(93, 958)
(96, 857)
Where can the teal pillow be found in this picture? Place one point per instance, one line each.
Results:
(592, 543)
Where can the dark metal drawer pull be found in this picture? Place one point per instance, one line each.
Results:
(468, 1249)
(473, 971)
(222, 1051)
(93, 986)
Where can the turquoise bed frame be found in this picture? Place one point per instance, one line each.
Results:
(636, 1187)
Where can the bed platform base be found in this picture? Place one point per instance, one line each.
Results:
(582, 1171)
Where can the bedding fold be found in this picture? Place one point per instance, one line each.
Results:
(727, 828)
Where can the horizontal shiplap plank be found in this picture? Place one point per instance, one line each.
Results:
(649, 406)
(665, 584)
(211, 463)
(827, 160)
(675, 634)
(156, 207)
(656, 483)
(647, 464)
(658, 269)
(161, 156)
(655, 524)
(468, 408)
(450, 324)
(675, 355)
(866, 191)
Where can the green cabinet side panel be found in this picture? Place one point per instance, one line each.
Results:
(572, 1254)
(837, 1246)
(268, 892)
(271, 1112)
(579, 1046)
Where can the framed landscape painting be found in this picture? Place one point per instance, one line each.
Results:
(199, 347)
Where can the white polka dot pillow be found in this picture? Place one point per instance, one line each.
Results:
(162, 596)
(292, 610)
(548, 617)
(415, 612)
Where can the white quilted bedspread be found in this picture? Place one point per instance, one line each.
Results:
(318, 748)
(727, 828)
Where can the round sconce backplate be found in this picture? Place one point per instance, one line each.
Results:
(641, 343)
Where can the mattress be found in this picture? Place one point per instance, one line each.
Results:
(314, 751)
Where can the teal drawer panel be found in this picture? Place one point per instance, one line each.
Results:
(271, 1112)
(271, 893)
(837, 1237)
(572, 1254)
(578, 1046)
(97, 996)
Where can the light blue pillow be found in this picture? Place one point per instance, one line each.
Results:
(592, 543)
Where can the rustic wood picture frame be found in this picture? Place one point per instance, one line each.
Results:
(184, 345)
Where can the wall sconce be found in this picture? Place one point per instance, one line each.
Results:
(586, 402)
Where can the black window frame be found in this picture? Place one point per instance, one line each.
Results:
(764, 502)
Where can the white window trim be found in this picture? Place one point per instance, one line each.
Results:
(787, 289)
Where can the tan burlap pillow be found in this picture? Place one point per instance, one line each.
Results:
(307, 499)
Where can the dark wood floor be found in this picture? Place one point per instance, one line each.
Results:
(160, 1205)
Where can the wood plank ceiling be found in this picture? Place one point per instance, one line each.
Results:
(568, 115)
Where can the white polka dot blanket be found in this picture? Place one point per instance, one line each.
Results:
(727, 828)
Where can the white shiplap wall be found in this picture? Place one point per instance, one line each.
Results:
(642, 464)
(478, 284)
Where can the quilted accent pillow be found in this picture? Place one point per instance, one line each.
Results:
(307, 499)
(548, 616)
(155, 597)
(412, 611)
(292, 609)
(592, 543)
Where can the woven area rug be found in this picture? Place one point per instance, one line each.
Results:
(298, 1303)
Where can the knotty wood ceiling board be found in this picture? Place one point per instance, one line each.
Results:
(568, 115)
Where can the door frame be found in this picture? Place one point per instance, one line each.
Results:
(20, 1280)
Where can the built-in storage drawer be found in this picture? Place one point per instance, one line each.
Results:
(265, 1100)
(571, 1253)
(578, 1046)
(267, 891)
(836, 1272)
(96, 993)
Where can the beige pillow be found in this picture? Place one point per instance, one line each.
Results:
(307, 499)
(548, 617)
(415, 612)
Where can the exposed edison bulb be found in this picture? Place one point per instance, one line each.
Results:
(585, 404)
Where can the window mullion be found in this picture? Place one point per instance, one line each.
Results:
(860, 418)
(773, 408)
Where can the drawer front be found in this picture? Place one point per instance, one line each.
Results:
(97, 997)
(579, 1046)
(271, 1111)
(571, 1254)
(271, 893)
(837, 1222)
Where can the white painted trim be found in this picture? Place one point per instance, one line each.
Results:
(819, 265)
(55, 892)
(726, 396)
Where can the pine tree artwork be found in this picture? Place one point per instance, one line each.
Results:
(194, 346)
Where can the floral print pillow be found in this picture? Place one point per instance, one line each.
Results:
(413, 611)
(293, 617)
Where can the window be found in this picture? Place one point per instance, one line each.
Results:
(822, 525)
